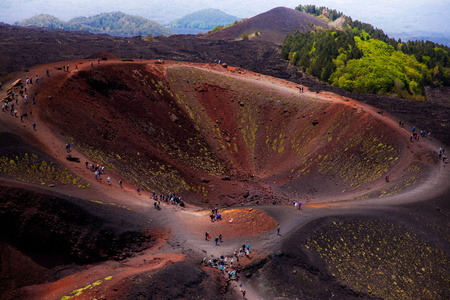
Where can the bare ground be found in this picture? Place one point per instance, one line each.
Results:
(173, 243)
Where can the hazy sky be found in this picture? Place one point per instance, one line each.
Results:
(389, 15)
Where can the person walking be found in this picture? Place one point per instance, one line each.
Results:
(278, 230)
(217, 240)
(34, 126)
(120, 183)
(108, 179)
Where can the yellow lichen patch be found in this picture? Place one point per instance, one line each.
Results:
(29, 168)
(365, 158)
(387, 260)
(89, 286)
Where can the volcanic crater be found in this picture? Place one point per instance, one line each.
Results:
(167, 127)
(218, 136)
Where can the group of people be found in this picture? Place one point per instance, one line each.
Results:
(245, 249)
(223, 265)
(215, 215)
(12, 110)
(169, 198)
(216, 240)
(12, 101)
(29, 80)
(297, 204)
(416, 136)
(96, 168)
(229, 266)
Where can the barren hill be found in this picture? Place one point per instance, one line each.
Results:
(274, 25)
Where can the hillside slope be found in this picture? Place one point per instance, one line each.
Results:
(51, 45)
(274, 25)
(169, 127)
(114, 23)
(218, 137)
(204, 19)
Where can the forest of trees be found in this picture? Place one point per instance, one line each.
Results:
(115, 23)
(331, 14)
(204, 19)
(361, 58)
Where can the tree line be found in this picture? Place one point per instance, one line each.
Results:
(115, 23)
(361, 58)
(317, 11)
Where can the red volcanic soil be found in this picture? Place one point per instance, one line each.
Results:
(274, 25)
(234, 223)
(50, 45)
(217, 137)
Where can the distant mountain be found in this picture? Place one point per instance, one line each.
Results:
(114, 23)
(204, 19)
(439, 38)
(44, 20)
(272, 26)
